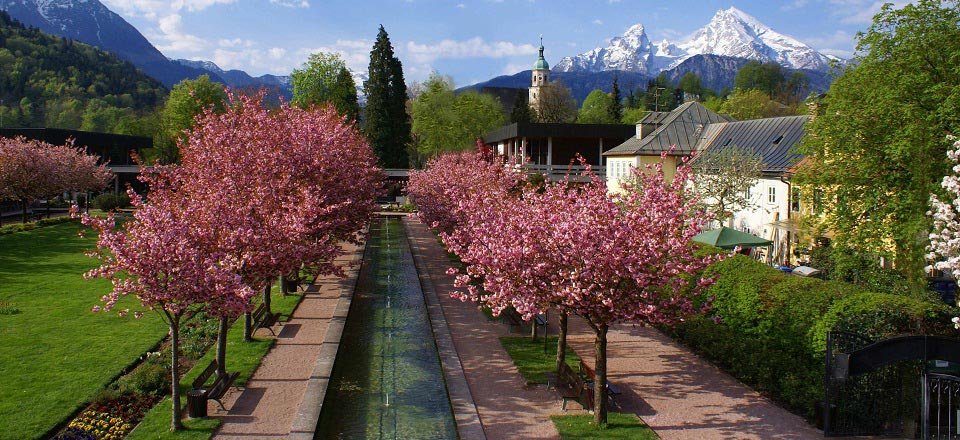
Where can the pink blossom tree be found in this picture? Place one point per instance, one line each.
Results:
(606, 258)
(275, 190)
(30, 170)
(159, 258)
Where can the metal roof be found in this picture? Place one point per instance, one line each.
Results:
(679, 131)
(773, 139)
(559, 130)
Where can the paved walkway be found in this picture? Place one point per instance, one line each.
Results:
(267, 406)
(682, 396)
(675, 392)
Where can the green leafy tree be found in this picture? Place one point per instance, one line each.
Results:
(443, 121)
(661, 95)
(616, 102)
(596, 109)
(556, 104)
(633, 115)
(325, 79)
(878, 149)
(187, 99)
(690, 83)
(46, 81)
(766, 77)
(387, 124)
(745, 104)
(521, 108)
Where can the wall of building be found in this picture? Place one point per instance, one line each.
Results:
(770, 200)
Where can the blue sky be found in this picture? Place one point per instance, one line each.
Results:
(469, 40)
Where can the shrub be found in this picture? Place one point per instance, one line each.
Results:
(106, 202)
(773, 327)
(150, 378)
(880, 315)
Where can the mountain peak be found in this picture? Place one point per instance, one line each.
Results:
(731, 32)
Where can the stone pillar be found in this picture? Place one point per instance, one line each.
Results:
(523, 150)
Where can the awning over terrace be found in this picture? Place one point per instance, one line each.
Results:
(729, 238)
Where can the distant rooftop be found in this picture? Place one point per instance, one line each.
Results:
(678, 132)
(773, 139)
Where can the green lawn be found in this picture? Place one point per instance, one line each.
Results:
(530, 359)
(619, 426)
(55, 354)
(241, 356)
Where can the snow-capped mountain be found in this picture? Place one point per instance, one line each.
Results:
(89, 21)
(731, 32)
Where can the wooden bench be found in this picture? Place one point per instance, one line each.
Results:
(592, 376)
(514, 318)
(216, 390)
(571, 387)
(263, 319)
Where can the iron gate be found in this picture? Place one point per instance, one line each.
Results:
(887, 387)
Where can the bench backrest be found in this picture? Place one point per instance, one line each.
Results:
(201, 380)
(258, 312)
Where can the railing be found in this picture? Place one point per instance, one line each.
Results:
(560, 172)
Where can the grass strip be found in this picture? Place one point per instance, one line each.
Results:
(532, 361)
(243, 357)
(55, 354)
(619, 426)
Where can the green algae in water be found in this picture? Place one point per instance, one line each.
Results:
(387, 381)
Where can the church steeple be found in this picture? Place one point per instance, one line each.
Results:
(539, 77)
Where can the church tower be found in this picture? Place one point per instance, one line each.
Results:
(540, 78)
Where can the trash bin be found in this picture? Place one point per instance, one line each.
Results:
(197, 404)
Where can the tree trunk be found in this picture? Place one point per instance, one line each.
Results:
(533, 328)
(266, 298)
(600, 379)
(176, 423)
(48, 208)
(23, 217)
(247, 324)
(222, 347)
(562, 342)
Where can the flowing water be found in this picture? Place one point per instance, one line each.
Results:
(387, 381)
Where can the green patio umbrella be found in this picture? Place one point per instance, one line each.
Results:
(728, 238)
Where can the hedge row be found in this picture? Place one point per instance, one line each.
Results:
(20, 227)
(773, 327)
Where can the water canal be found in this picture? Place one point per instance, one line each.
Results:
(387, 381)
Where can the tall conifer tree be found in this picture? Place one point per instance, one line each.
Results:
(616, 104)
(386, 123)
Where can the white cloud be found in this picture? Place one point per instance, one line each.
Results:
(473, 48)
(292, 3)
(236, 42)
(461, 6)
(512, 68)
(597, 22)
(172, 38)
(795, 4)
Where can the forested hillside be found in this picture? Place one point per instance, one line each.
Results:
(46, 81)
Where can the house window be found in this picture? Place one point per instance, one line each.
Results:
(817, 201)
(771, 194)
(795, 200)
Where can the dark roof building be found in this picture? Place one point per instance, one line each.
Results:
(552, 148)
(677, 132)
(115, 149)
(773, 139)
